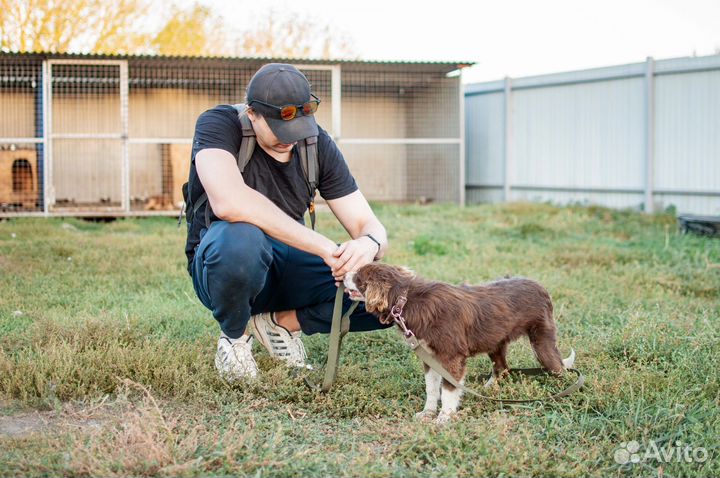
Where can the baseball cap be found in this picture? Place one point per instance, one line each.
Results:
(280, 84)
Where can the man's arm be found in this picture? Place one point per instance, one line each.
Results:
(358, 219)
(234, 201)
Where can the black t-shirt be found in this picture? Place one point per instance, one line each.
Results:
(283, 183)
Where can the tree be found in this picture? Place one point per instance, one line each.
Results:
(292, 35)
(122, 26)
(111, 26)
(189, 32)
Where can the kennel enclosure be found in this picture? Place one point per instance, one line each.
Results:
(111, 135)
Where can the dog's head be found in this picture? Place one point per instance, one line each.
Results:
(378, 285)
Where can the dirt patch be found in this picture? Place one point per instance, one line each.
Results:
(22, 425)
(25, 424)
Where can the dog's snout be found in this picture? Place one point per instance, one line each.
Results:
(348, 281)
(352, 288)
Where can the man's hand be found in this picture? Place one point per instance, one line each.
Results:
(352, 255)
(328, 254)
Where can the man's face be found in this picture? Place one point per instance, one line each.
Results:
(265, 137)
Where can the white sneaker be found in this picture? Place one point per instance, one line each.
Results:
(234, 360)
(280, 342)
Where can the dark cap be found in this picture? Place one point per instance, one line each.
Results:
(280, 84)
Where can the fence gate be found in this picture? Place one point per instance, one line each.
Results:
(86, 136)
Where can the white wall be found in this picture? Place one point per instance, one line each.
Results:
(583, 136)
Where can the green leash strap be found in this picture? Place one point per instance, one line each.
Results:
(426, 356)
(340, 326)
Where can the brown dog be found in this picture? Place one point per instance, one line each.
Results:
(460, 322)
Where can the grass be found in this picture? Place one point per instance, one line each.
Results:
(103, 340)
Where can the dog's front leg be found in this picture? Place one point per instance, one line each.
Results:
(450, 401)
(432, 393)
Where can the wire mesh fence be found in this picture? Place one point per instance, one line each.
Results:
(86, 134)
(401, 133)
(113, 135)
(165, 99)
(21, 148)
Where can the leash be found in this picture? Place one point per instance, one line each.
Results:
(424, 353)
(340, 326)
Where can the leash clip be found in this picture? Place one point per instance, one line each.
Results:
(396, 314)
(397, 309)
(406, 332)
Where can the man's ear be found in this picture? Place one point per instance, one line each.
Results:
(376, 297)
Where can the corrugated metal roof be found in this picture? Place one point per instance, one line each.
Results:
(264, 59)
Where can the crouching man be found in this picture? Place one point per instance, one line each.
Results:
(253, 263)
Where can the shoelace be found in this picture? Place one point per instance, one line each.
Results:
(244, 354)
(301, 347)
(279, 344)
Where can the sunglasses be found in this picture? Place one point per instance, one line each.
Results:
(289, 112)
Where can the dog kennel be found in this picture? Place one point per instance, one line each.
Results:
(111, 135)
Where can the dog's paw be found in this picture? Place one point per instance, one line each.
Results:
(490, 382)
(443, 418)
(425, 415)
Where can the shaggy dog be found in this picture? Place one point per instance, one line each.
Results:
(458, 322)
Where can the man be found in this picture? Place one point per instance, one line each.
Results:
(257, 264)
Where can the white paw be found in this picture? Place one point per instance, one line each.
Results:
(443, 418)
(490, 382)
(425, 415)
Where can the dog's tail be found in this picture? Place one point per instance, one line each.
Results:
(568, 362)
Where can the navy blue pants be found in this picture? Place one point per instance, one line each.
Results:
(239, 271)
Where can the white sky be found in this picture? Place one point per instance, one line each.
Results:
(508, 38)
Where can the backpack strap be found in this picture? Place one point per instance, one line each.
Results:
(247, 146)
(312, 161)
(308, 150)
(248, 142)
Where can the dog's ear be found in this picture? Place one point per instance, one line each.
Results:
(376, 299)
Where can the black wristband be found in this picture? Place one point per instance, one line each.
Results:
(376, 242)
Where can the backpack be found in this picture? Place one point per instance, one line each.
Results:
(307, 149)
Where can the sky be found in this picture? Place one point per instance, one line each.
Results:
(512, 38)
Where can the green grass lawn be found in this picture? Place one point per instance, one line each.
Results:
(106, 356)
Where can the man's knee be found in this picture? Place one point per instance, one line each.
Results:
(237, 249)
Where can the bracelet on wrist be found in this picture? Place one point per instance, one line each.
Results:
(376, 242)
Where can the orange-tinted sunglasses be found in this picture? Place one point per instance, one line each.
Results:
(289, 112)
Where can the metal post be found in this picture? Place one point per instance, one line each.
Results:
(649, 132)
(461, 96)
(48, 186)
(124, 147)
(336, 94)
(38, 109)
(508, 138)
(43, 131)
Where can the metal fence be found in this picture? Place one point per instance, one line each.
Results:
(643, 135)
(93, 135)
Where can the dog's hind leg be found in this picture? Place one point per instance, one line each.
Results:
(570, 361)
(544, 343)
(433, 381)
(500, 366)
